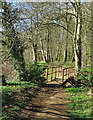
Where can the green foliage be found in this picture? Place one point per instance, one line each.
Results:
(86, 76)
(80, 103)
(42, 63)
(12, 44)
(21, 76)
(20, 84)
(35, 73)
(3, 79)
(14, 96)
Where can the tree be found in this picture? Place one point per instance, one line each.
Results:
(77, 35)
(11, 40)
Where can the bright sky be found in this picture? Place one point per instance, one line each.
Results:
(0, 23)
(46, 0)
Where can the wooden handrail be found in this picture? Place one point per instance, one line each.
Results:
(66, 72)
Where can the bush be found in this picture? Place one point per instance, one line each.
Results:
(86, 76)
(3, 79)
(35, 73)
(21, 76)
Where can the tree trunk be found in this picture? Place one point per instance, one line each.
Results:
(42, 50)
(66, 49)
(73, 55)
(65, 55)
(34, 49)
(48, 56)
(77, 37)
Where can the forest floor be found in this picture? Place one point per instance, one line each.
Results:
(50, 103)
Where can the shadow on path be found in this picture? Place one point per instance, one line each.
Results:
(50, 103)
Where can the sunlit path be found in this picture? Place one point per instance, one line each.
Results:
(50, 103)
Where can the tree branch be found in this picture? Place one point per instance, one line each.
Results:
(71, 14)
(59, 26)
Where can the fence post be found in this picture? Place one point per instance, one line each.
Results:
(71, 72)
(58, 71)
(55, 72)
(68, 73)
(63, 75)
(62, 72)
(52, 74)
(47, 73)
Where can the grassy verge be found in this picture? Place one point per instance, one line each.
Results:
(80, 103)
(15, 95)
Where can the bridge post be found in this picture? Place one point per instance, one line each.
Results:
(63, 75)
(58, 71)
(47, 73)
(55, 72)
(52, 74)
(62, 72)
(68, 73)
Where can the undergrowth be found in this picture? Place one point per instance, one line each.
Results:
(80, 103)
(15, 95)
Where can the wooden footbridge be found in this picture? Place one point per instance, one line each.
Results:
(59, 73)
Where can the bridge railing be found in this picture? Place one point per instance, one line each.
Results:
(54, 72)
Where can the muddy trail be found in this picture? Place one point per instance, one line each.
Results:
(50, 103)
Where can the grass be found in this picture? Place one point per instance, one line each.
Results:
(15, 95)
(42, 63)
(80, 103)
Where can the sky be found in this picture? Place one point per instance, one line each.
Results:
(38, 1)
(45, 0)
(0, 22)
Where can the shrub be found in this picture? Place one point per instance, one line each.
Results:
(35, 73)
(3, 79)
(86, 76)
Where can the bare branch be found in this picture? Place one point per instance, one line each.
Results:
(59, 26)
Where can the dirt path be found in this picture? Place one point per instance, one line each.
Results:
(50, 103)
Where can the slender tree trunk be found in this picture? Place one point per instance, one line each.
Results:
(33, 52)
(66, 48)
(77, 37)
(30, 60)
(85, 61)
(73, 55)
(48, 56)
(42, 50)
(65, 55)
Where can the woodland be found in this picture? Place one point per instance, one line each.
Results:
(36, 35)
